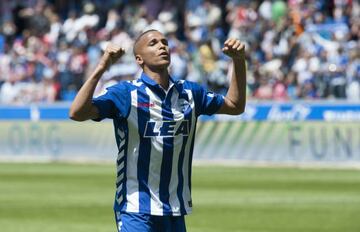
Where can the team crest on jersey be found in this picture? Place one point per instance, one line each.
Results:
(183, 104)
(166, 128)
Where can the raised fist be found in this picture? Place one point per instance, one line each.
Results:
(111, 55)
(234, 49)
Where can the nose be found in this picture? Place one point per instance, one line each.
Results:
(162, 45)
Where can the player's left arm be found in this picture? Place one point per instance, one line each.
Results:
(235, 99)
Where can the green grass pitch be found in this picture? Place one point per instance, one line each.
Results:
(61, 197)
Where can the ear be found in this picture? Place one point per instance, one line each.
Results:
(139, 60)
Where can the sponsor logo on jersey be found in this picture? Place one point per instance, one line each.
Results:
(166, 128)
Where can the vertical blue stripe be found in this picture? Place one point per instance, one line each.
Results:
(144, 152)
(166, 164)
(191, 151)
(187, 116)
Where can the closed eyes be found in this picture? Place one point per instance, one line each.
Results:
(155, 41)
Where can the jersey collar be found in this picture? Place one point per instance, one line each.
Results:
(158, 89)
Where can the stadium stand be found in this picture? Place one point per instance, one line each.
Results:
(296, 49)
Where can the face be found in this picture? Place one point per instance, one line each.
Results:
(152, 50)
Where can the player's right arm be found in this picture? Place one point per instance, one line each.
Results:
(82, 107)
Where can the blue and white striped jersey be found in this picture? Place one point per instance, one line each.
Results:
(154, 131)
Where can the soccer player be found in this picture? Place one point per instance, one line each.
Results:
(155, 119)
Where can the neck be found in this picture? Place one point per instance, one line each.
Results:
(159, 76)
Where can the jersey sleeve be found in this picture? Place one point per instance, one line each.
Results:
(206, 102)
(115, 103)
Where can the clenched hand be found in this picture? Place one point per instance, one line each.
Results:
(111, 55)
(234, 49)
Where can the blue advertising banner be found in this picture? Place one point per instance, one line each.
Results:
(270, 111)
(295, 112)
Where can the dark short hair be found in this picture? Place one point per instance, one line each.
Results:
(140, 36)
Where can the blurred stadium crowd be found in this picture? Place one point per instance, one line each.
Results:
(296, 49)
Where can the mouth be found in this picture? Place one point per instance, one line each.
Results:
(164, 54)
